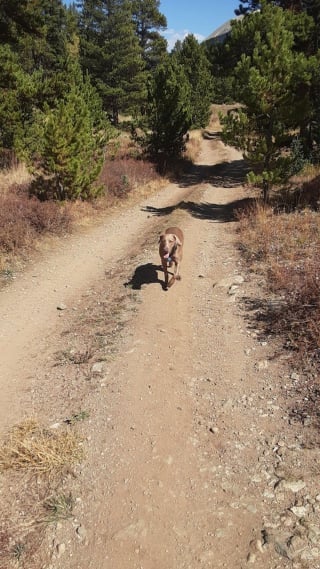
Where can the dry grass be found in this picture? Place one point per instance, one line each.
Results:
(193, 145)
(285, 247)
(304, 189)
(32, 447)
(15, 176)
(34, 464)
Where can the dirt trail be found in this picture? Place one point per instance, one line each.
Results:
(187, 419)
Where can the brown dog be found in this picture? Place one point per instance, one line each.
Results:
(170, 251)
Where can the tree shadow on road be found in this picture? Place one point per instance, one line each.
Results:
(145, 274)
(204, 210)
(224, 175)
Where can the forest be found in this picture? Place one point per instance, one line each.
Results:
(72, 78)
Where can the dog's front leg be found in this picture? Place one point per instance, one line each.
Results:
(177, 271)
(165, 270)
(175, 275)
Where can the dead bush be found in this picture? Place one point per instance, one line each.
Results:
(286, 249)
(122, 175)
(22, 219)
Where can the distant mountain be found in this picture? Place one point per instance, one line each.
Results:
(221, 33)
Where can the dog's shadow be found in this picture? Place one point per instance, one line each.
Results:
(145, 274)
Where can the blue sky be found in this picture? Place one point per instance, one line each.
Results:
(198, 17)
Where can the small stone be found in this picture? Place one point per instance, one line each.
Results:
(293, 485)
(230, 281)
(61, 306)
(251, 558)
(233, 290)
(281, 549)
(251, 508)
(296, 546)
(263, 364)
(268, 494)
(98, 368)
(314, 534)
(287, 520)
(295, 376)
(310, 554)
(61, 548)
(81, 532)
(259, 546)
(299, 511)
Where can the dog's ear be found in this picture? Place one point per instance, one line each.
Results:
(161, 237)
(178, 242)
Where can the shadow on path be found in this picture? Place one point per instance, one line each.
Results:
(204, 210)
(145, 274)
(224, 175)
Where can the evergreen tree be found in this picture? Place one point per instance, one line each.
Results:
(17, 92)
(15, 21)
(312, 7)
(37, 31)
(111, 54)
(247, 6)
(273, 87)
(169, 112)
(192, 57)
(42, 34)
(221, 72)
(74, 134)
(148, 20)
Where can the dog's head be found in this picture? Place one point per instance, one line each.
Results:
(168, 242)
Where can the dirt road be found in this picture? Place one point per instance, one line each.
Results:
(190, 458)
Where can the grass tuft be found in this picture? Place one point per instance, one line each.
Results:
(32, 447)
(59, 507)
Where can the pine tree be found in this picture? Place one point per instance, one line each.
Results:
(247, 6)
(18, 90)
(37, 31)
(74, 135)
(41, 33)
(273, 87)
(192, 57)
(111, 54)
(169, 112)
(148, 20)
